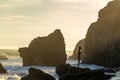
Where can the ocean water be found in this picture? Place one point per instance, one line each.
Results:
(16, 70)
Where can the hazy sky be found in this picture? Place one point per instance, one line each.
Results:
(23, 20)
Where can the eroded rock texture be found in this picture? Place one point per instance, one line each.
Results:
(102, 44)
(45, 51)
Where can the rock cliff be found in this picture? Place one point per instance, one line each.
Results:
(45, 51)
(102, 44)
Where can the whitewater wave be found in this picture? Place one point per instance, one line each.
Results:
(16, 70)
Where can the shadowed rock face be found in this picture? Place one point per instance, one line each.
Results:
(45, 51)
(102, 44)
(75, 52)
(36, 74)
(2, 69)
(67, 72)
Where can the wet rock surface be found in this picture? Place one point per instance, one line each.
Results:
(67, 72)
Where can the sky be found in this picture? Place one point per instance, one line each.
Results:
(23, 20)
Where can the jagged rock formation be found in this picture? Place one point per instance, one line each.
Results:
(75, 52)
(102, 44)
(45, 51)
(2, 69)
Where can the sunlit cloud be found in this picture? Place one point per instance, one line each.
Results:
(12, 19)
(73, 17)
(4, 6)
(19, 17)
(28, 2)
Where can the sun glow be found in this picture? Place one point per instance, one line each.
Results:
(24, 20)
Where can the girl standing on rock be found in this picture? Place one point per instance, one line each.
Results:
(79, 53)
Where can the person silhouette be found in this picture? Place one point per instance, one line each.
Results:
(79, 54)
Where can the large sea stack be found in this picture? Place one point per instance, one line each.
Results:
(45, 51)
(102, 44)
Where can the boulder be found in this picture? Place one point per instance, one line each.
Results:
(75, 52)
(90, 75)
(2, 69)
(102, 43)
(63, 69)
(3, 57)
(45, 51)
(76, 73)
(36, 74)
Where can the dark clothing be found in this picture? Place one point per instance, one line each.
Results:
(79, 53)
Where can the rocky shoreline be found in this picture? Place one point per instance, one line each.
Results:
(67, 72)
